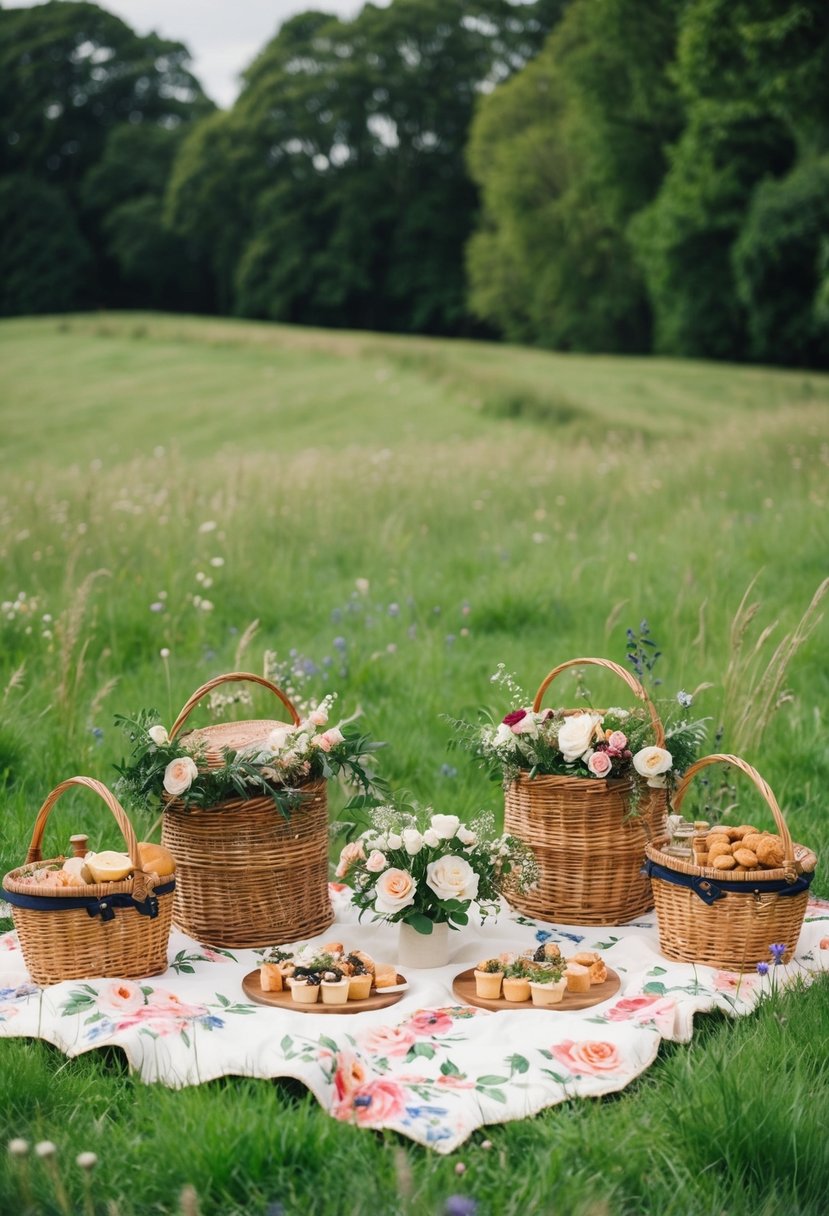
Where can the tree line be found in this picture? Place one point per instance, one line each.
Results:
(598, 175)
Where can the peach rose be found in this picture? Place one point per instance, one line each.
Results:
(179, 775)
(377, 861)
(388, 1041)
(652, 763)
(395, 890)
(588, 1058)
(351, 853)
(122, 996)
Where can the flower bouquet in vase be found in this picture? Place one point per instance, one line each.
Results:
(424, 871)
(587, 790)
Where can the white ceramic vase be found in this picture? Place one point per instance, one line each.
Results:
(423, 949)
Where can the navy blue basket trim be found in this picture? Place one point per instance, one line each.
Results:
(710, 891)
(103, 906)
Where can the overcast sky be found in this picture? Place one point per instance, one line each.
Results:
(222, 35)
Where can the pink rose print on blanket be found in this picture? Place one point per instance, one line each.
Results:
(734, 984)
(381, 1101)
(588, 1058)
(643, 1009)
(428, 1022)
(390, 1042)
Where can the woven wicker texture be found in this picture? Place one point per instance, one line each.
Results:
(246, 875)
(67, 943)
(589, 846)
(735, 931)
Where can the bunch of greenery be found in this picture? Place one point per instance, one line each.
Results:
(161, 769)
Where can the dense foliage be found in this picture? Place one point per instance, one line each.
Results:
(578, 174)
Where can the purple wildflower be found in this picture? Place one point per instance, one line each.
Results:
(778, 949)
(763, 968)
(460, 1205)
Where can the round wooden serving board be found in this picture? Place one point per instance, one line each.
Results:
(463, 987)
(284, 1000)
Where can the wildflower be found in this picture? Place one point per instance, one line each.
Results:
(685, 699)
(157, 606)
(460, 1205)
(777, 949)
(763, 968)
(209, 525)
(339, 643)
(217, 562)
(18, 1147)
(45, 1149)
(394, 610)
(87, 1161)
(164, 652)
(460, 1168)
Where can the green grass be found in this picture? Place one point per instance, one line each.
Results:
(504, 505)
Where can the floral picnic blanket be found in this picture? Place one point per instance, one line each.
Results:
(427, 1067)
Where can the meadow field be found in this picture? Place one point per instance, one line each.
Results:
(391, 518)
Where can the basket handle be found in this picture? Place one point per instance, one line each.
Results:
(762, 786)
(140, 884)
(193, 701)
(632, 683)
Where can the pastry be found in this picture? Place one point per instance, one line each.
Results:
(598, 972)
(270, 977)
(585, 958)
(365, 959)
(770, 852)
(334, 987)
(723, 861)
(718, 850)
(516, 988)
(359, 986)
(305, 990)
(488, 977)
(334, 948)
(385, 975)
(578, 978)
(745, 857)
(550, 992)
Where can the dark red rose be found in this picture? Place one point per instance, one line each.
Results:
(516, 716)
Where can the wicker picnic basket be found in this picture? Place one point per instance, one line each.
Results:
(247, 875)
(729, 920)
(589, 844)
(111, 929)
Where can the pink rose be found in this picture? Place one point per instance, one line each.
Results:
(379, 1101)
(617, 741)
(351, 853)
(349, 1074)
(329, 738)
(824, 943)
(389, 1041)
(428, 1022)
(588, 1058)
(600, 764)
(629, 1006)
(377, 861)
(455, 1082)
(318, 716)
(733, 982)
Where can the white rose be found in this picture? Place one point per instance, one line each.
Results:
(503, 736)
(576, 735)
(431, 838)
(652, 763)
(179, 775)
(158, 735)
(445, 826)
(466, 837)
(379, 842)
(452, 877)
(395, 890)
(395, 841)
(528, 725)
(412, 841)
(278, 738)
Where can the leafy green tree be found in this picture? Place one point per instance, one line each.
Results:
(73, 77)
(335, 192)
(754, 75)
(44, 259)
(565, 153)
(779, 264)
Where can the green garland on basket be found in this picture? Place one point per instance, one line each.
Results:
(278, 766)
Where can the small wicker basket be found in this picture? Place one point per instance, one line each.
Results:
(589, 845)
(102, 929)
(729, 920)
(247, 875)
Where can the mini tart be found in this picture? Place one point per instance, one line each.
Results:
(335, 992)
(270, 977)
(304, 993)
(488, 984)
(548, 994)
(578, 978)
(598, 972)
(586, 958)
(516, 989)
(359, 986)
